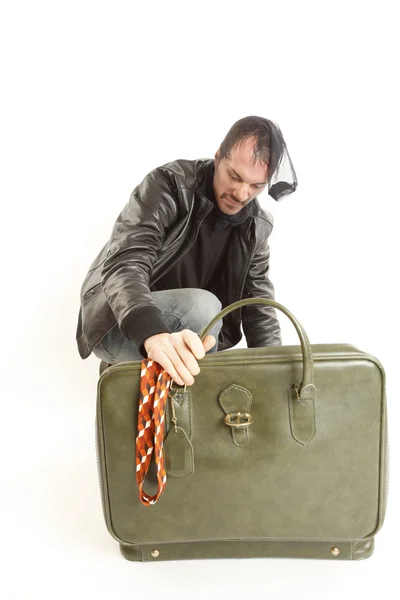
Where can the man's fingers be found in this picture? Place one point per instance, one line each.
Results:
(198, 347)
(209, 342)
(189, 347)
(177, 354)
(158, 355)
(176, 358)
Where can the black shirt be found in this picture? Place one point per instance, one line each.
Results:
(209, 249)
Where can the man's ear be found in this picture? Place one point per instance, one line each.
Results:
(217, 155)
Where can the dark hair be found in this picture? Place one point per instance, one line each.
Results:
(245, 128)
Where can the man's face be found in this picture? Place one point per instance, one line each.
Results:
(237, 180)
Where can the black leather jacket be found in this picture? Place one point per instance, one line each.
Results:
(155, 229)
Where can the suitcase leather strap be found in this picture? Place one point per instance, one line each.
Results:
(154, 389)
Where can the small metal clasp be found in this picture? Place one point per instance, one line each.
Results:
(238, 419)
(174, 419)
(181, 388)
(173, 392)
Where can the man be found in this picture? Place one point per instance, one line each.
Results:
(191, 240)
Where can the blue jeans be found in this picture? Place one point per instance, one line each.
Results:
(184, 308)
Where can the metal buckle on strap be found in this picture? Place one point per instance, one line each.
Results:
(238, 419)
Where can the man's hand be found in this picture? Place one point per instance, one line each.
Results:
(177, 353)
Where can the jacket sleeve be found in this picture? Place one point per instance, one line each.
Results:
(260, 323)
(136, 240)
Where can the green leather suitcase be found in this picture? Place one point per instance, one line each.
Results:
(303, 474)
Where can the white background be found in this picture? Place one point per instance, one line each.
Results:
(93, 96)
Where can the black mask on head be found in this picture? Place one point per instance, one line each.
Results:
(282, 178)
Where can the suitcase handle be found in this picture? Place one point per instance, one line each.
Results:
(307, 388)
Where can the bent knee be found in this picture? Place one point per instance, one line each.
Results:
(204, 306)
